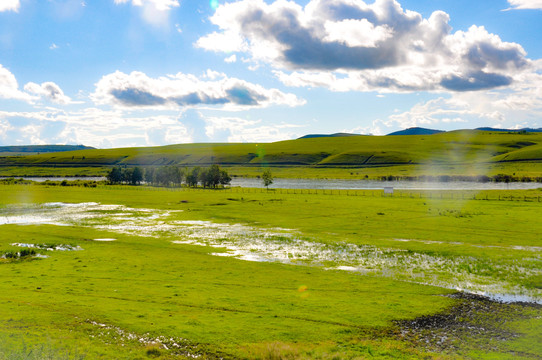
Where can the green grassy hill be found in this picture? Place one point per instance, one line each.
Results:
(456, 151)
(38, 149)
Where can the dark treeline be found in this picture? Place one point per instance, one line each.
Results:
(499, 178)
(211, 177)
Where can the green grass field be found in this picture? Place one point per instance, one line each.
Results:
(464, 153)
(339, 276)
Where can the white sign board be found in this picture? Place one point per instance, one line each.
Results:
(388, 190)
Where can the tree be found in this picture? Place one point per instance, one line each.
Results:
(137, 176)
(225, 178)
(192, 177)
(149, 175)
(115, 175)
(267, 178)
(127, 176)
(161, 176)
(176, 175)
(203, 177)
(213, 176)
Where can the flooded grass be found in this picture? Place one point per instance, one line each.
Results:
(469, 274)
(161, 277)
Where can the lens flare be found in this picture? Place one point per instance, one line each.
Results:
(214, 4)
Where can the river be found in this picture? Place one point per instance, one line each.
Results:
(334, 184)
(374, 184)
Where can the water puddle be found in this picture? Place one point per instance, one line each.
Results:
(512, 247)
(490, 278)
(179, 346)
(48, 247)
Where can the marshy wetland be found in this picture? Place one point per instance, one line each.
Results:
(215, 274)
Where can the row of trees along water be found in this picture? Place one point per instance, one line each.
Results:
(211, 177)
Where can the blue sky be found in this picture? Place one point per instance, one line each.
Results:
(115, 73)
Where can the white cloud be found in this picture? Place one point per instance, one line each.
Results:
(53, 46)
(137, 90)
(154, 12)
(231, 59)
(233, 129)
(517, 107)
(432, 112)
(356, 33)
(222, 42)
(49, 91)
(350, 45)
(4, 128)
(93, 127)
(116, 128)
(161, 5)
(9, 5)
(525, 4)
(9, 88)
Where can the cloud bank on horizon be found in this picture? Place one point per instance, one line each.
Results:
(163, 71)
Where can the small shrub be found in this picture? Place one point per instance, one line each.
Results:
(27, 252)
(153, 352)
(10, 255)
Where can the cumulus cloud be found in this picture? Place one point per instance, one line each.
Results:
(525, 4)
(9, 5)
(351, 45)
(49, 91)
(183, 90)
(9, 88)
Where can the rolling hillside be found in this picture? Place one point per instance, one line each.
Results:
(456, 147)
(22, 150)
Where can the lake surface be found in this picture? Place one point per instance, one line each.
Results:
(334, 184)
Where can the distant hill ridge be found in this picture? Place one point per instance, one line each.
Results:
(416, 131)
(42, 148)
(422, 131)
(528, 130)
(425, 131)
(312, 136)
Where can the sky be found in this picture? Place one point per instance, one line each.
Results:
(122, 73)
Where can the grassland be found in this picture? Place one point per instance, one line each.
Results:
(466, 153)
(127, 298)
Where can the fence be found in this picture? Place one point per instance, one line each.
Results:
(494, 195)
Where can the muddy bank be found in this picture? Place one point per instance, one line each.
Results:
(473, 323)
